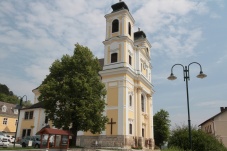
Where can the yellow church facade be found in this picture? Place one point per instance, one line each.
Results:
(126, 73)
(127, 77)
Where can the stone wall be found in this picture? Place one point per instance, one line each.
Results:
(113, 141)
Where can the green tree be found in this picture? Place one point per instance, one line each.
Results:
(161, 127)
(201, 141)
(7, 96)
(73, 93)
(26, 103)
(4, 89)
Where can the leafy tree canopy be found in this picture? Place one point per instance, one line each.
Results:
(161, 127)
(73, 94)
(5, 90)
(201, 141)
(8, 96)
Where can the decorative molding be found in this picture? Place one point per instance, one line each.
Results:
(130, 120)
(114, 50)
(146, 116)
(130, 52)
(111, 84)
(131, 93)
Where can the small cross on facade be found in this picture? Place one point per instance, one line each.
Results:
(111, 125)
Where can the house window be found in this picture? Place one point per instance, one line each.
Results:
(46, 120)
(208, 129)
(115, 26)
(4, 108)
(5, 121)
(31, 115)
(113, 57)
(142, 132)
(26, 132)
(130, 128)
(130, 59)
(28, 115)
(129, 28)
(15, 111)
(142, 104)
(130, 100)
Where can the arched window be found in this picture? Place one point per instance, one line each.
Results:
(130, 60)
(142, 103)
(129, 28)
(115, 26)
(141, 67)
(113, 57)
(130, 100)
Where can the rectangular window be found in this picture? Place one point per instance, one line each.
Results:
(31, 115)
(28, 115)
(5, 121)
(26, 132)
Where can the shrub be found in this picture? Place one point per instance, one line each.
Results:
(173, 148)
(201, 141)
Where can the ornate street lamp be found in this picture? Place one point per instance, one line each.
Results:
(18, 107)
(186, 78)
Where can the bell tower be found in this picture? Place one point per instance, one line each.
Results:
(119, 37)
(127, 76)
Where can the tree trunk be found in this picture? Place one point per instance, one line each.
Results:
(74, 132)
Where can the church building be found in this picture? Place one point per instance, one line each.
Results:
(126, 73)
(127, 77)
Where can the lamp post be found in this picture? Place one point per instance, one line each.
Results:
(186, 78)
(18, 107)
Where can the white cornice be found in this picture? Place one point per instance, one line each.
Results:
(122, 12)
(118, 39)
(132, 74)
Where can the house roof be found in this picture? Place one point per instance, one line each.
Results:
(54, 131)
(212, 118)
(139, 34)
(9, 109)
(34, 106)
(119, 6)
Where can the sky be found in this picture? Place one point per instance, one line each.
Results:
(33, 34)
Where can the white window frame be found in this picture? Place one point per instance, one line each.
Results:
(4, 108)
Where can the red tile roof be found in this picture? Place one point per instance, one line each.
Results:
(54, 131)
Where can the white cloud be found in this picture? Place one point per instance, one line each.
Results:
(19, 86)
(168, 22)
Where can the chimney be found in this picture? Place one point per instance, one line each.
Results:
(223, 108)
